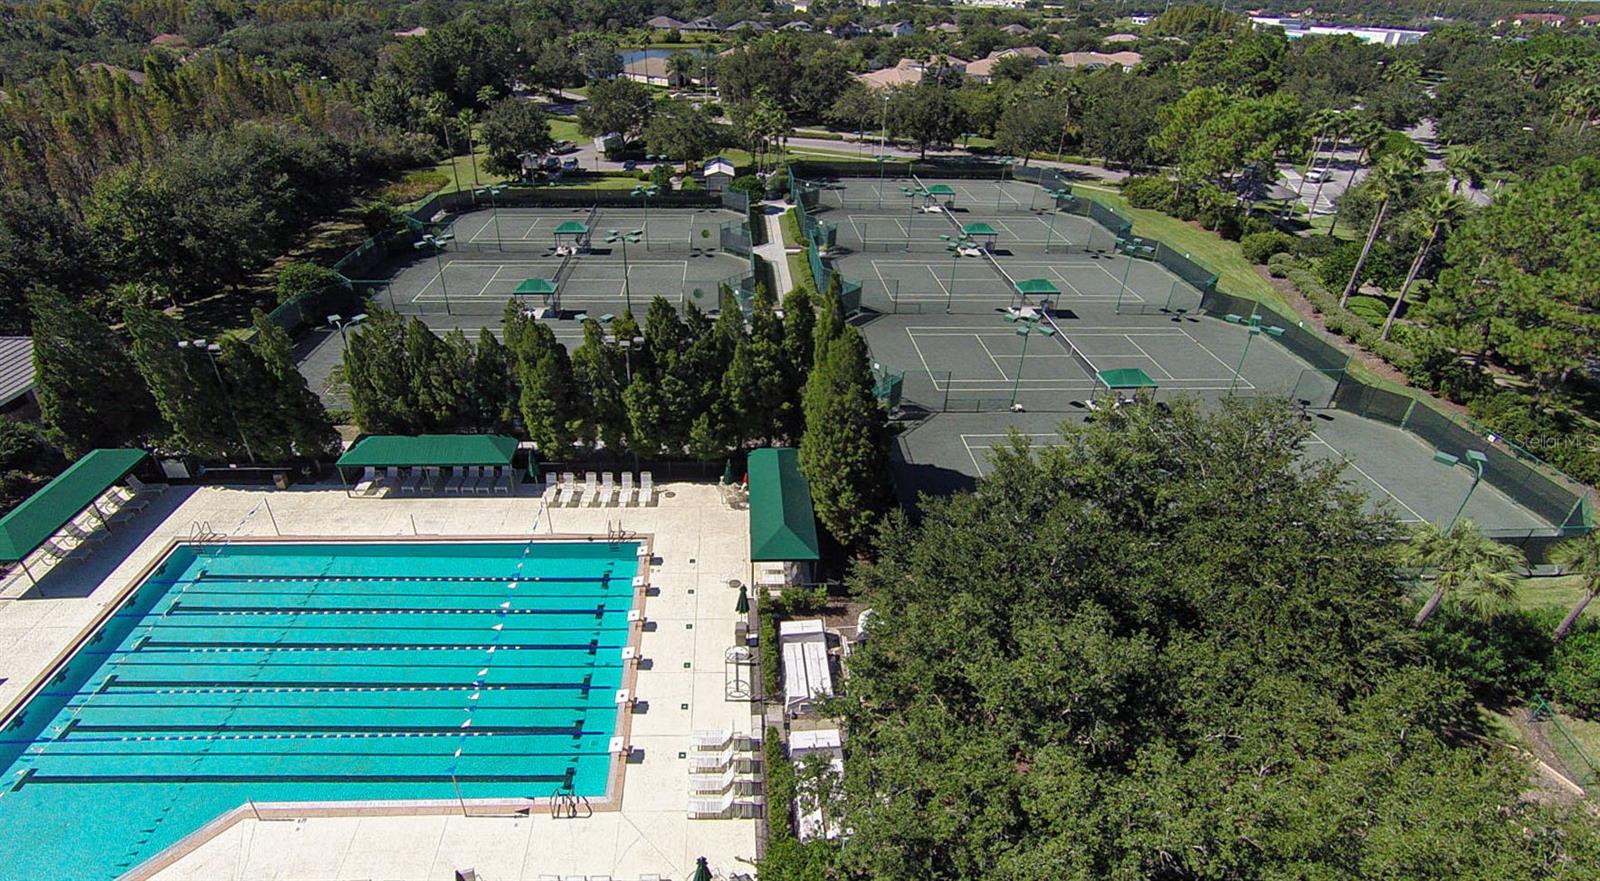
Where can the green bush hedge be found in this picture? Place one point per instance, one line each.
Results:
(1575, 673)
(1342, 321)
(767, 637)
(1260, 246)
(780, 788)
(1150, 192)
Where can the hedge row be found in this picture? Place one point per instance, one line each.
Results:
(1336, 318)
(780, 788)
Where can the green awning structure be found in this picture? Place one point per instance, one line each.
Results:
(572, 228)
(1125, 378)
(535, 286)
(436, 450)
(941, 190)
(60, 500)
(1037, 286)
(979, 229)
(783, 528)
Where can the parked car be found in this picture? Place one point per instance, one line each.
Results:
(563, 146)
(569, 165)
(1318, 175)
(630, 165)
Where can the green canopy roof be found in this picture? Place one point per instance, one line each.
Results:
(430, 449)
(60, 500)
(1037, 286)
(536, 286)
(979, 229)
(571, 228)
(783, 527)
(941, 190)
(1126, 378)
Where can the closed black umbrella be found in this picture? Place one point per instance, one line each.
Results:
(702, 872)
(743, 605)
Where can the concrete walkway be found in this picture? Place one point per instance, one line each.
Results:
(773, 251)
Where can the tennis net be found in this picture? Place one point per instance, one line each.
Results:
(988, 258)
(592, 221)
(1078, 357)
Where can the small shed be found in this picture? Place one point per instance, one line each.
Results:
(717, 173)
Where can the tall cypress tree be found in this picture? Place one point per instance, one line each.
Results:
(597, 372)
(280, 415)
(89, 393)
(381, 398)
(799, 347)
(184, 383)
(844, 453)
(547, 400)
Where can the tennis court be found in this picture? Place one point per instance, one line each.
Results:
(669, 230)
(601, 279)
(977, 195)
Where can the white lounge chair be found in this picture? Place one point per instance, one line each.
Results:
(550, 488)
(504, 481)
(369, 479)
(453, 485)
(430, 480)
(409, 480)
(140, 486)
(629, 493)
(591, 486)
(125, 500)
(608, 491)
(391, 480)
(647, 489)
(62, 554)
(485, 483)
(569, 489)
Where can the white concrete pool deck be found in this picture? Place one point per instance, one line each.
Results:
(700, 544)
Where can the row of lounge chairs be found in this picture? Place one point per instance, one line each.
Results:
(599, 491)
(426, 481)
(77, 537)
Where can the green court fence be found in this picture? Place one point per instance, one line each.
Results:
(1580, 765)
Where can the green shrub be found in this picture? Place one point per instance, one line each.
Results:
(299, 278)
(1148, 192)
(1278, 265)
(1314, 246)
(1509, 655)
(799, 600)
(661, 175)
(1259, 247)
(1368, 308)
(1575, 673)
(767, 641)
(1556, 435)
(791, 229)
(746, 183)
(780, 788)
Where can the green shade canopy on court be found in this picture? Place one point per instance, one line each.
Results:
(1037, 286)
(435, 450)
(941, 190)
(572, 228)
(1125, 379)
(979, 229)
(535, 286)
(783, 526)
(57, 502)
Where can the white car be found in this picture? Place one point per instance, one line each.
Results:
(1318, 175)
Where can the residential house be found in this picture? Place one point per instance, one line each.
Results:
(1589, 21)
(665, 23)
(1093, 60)
(1016, 30)
(982, 70)
(137, 76)
(945, 27)
(717, 173)
(896, 29)
(170, 41)
(1534, 20)
(1141, 19)
(704, 24)
(756, 26)
(16, 375)
(804, 26)
(996, 4)
(909, 71)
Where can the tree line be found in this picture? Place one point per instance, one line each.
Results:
(689, 386)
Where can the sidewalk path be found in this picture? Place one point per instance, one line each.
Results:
(773, 251)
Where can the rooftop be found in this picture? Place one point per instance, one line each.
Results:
(16, 367)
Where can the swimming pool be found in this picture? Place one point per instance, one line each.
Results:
(327, 672)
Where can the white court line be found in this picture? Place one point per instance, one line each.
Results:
(1153, 361)
(997, 367)
(1225, 365)
(485, 289)
(985, 447)
(1350, 463)
(488, 220)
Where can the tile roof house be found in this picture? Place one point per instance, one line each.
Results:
(665, 23)
(982, 70)
(1125, 60)
(909, 71)
(1534, 19)
(16, 369)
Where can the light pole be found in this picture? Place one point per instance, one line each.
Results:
(627, 346)
(492, 191)
(340, 322)
(880, 159)
(613, 237)
(1055, 208)
(1254, 328)
(1000, 188)
(437, 243)
(211, 349)
(911, 195)
(953, 244)
(1025, 328)
(1476, 463)
(645, 191)
(1126, 246)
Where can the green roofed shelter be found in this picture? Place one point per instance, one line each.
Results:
(783, 527)
(56, 503)
(979, 229)
(434, 450)
(1037, 286)
(1125, 379)
(941, 190)
(571, 228)
(541, 286)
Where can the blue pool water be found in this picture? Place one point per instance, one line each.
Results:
(326, 672)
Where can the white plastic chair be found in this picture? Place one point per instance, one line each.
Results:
(647, 489)
(590, 487)
(78, 533)
(364, 486)
(551, 488)
(608, 491)
(485, 483)
(569, 489)
(503, 483)
(140, 486)
(629, 492)
(413, 480)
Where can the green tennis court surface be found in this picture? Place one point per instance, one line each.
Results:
(663, 230)
(319, 673)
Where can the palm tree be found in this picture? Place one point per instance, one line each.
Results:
(1338, 130)
(1320, 124)
(1578, 556)
(465, 120)
(432, 111)
(681, 66)
(1467, 164)
(1368, 133)
(1470, 568)
(1392, 176)
(1440, 212)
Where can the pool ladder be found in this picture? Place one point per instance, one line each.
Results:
(565, 805)
(616, 534)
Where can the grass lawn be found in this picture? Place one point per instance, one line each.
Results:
(790, 224)
(1577, 743)
(565, 128)
(1236, 274)
(1562, 592)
